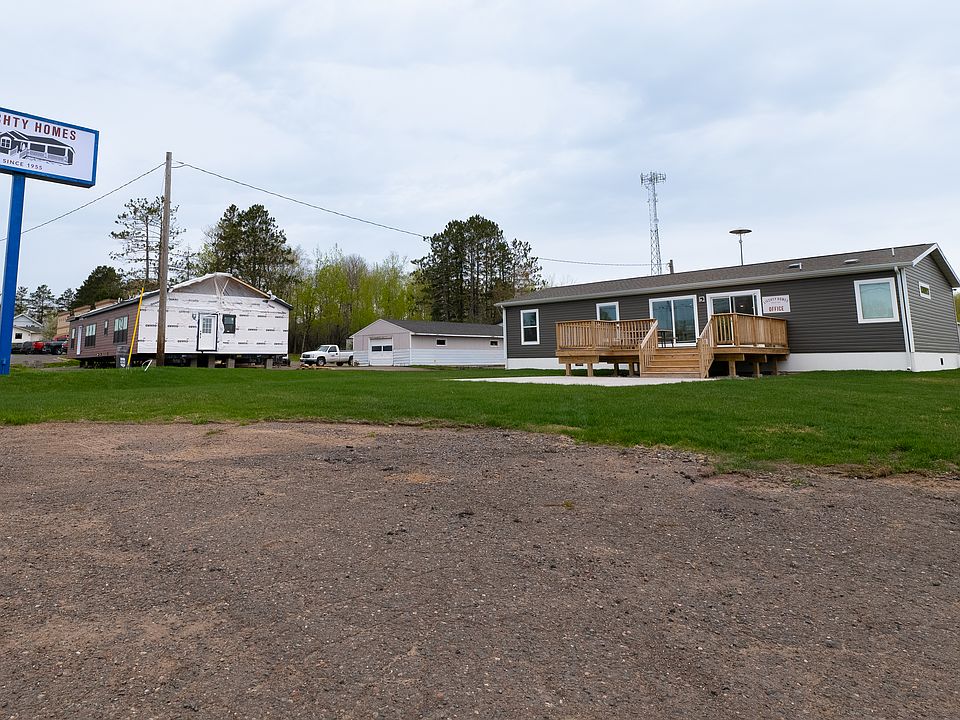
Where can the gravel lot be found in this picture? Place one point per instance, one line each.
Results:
(354, 571)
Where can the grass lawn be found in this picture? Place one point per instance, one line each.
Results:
(884, 421)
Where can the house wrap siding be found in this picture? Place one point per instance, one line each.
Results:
(934, 320)
(822, 317)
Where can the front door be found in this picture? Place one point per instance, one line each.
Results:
(207, 337)
(677, 316)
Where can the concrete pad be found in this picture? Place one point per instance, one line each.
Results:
(586, 381)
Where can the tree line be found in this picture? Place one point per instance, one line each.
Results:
(468, 268)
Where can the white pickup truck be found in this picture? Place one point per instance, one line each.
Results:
(327, 354)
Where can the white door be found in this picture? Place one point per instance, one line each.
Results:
(207, 337)
(381, 351)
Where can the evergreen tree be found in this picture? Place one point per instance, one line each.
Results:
(249, 245)
(20, 300)
(66, 300)
(139, 235)
(41, 303)
(471, 267)
(102, 283)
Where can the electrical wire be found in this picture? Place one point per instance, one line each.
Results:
(584, 262)
(302, 202)
(181, 165)
(88, 204)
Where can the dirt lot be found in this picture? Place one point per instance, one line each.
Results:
(350, 571)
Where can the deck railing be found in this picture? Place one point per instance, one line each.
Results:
(706, 347)
(602, 334)
(648, 346)
(741, 330)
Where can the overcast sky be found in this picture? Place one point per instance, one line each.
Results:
(822, 126)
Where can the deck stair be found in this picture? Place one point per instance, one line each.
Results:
(674, 362)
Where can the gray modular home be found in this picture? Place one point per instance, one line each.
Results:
(885, 309)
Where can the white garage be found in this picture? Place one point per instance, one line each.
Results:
(424, 342)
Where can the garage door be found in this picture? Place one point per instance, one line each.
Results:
(381, 351)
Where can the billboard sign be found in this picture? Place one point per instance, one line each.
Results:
(47, 149)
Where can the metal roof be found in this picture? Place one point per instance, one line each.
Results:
(818, 265)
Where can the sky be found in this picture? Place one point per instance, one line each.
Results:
(821, 126)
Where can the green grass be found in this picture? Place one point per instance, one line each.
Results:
(882, 422)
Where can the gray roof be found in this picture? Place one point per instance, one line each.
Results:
(429, 327)
(818, 265)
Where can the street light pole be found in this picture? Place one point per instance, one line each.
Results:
(740, 232)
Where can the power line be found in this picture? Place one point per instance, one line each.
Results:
(299, 202)
(97, 199)
(302, 202)
(584, 262)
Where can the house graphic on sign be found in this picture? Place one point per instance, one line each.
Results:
(14, 142)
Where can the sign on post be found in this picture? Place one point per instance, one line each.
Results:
(47, 149)
(44, 149)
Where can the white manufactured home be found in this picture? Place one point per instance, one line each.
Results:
(209, 318)
(422, 342)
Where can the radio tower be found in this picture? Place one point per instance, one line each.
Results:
(649, 181)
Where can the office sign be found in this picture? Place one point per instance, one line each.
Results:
(776, 304)
(47, 149)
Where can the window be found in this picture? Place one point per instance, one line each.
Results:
(230, 324)
(5, 143)
(120, 329)
(18, 336)
(441, 341)
(206, 325)
(608, 311)
(73, 338)
(494, 343)
(529, 327)
(106, 327)
(876, 301)
(90, 335)
(924, 291)
(744, 303)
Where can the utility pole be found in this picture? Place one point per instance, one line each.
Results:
(164, 261)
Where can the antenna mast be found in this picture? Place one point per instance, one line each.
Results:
(649, 181)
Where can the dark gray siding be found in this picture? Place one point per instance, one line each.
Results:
(822, 317)
(934, 320)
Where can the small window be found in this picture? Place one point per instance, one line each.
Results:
(924, 291)
(608, 311)
(18, 336)
(5, 143)
(120, 329)
(106, 327)
(494, 343)
(441, 341)
(530, 327)
(876, 301)
(90, 335)
(230, 324)
(207, 325)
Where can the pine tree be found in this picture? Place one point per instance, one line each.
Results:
(139, 235)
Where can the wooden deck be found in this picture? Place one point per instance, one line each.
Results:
(646, 351)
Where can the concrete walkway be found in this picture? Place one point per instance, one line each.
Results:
(601, 381)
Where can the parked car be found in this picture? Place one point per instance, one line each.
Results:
(26, 347)
(327, 354)
(55, 347)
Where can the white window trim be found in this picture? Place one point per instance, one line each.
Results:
(536, 313)
(696, 314)
(616, 304)
(894, 300)
(757, 302)
(921, 286)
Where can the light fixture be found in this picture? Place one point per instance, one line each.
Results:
(740, 232)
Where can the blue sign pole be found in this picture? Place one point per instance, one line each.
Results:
(8, 299)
